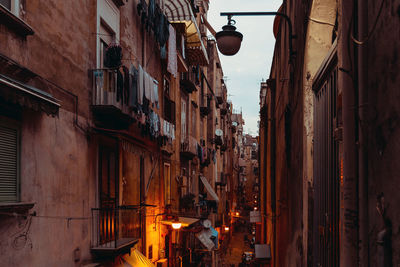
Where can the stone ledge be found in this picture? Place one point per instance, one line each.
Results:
(13, 22)
(18, 208)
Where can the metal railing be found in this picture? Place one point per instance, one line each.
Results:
(189, 145)
(105, 91)
(115, 227)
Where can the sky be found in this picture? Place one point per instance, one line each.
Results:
(244, 71)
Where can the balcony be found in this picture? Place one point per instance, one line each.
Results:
(187, 205)
(223, 111)
(220, 100)
(189, 147)
(207, 158)
(218, 141)
(204, 111)
(108, 107)
(222, 180)
(189, 80)
(114, 230)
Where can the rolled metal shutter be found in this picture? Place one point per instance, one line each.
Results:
(8, 164)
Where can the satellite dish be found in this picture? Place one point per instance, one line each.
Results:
(234, 123)
(218, 132)
(207, 223)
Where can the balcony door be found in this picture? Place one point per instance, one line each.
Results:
(184, 117)
(108, 192)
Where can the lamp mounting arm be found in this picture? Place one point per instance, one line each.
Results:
(283, 15)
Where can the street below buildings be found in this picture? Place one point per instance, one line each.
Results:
(236, 246)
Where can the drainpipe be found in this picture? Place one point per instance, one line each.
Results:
(272, 85)
(349, 199)
(362, 29)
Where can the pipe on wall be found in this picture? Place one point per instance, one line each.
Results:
(362, 32)
(349, 198)
(272, 85)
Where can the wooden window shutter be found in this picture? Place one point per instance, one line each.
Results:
(9, 163)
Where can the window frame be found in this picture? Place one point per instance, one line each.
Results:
(10, 123)
(14, 7)
(108, 16)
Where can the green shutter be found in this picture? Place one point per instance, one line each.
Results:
(8, 164)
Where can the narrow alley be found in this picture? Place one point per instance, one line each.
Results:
(199, 133)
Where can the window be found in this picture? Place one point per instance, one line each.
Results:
(106, 37)
(108, 176)
(108, 27)
(183, 118)
(12, 5)
(194, 121)
(167, 183)
(169, 104)
(9, 160)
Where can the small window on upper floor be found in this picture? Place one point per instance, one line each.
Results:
(108, 28)
(11, 5)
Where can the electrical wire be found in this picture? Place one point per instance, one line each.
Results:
(358, 42)
(321, 22)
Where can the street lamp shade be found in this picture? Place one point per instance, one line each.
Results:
(176, 225)
(229, 40)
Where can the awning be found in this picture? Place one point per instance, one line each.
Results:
(180, 11)
(135, 259)
(185, 221)
(209, 188)
(27, 96)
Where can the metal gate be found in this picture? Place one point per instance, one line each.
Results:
(326, 166)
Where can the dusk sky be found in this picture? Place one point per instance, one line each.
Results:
(245, 70)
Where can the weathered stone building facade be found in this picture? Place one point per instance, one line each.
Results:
(325, 139)
(103, 138)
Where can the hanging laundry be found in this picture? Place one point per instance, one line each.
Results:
(151, 14)
(142, 10)
(120, 85)
(140, 86)
(172, 66)
(127, 84)
(148, 88)
(163, 52)
(161, 27)
(155, 93)
(133, 78)
(162, 131)
(154, 122)
(99, 80)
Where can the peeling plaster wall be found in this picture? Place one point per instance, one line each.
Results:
(60, 181)
(383, 125)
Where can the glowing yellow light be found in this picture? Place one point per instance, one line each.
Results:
(226, 228)
(237, 213)
(255, 208)
(176, 225)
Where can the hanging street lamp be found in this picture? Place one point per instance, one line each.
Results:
(229, 40)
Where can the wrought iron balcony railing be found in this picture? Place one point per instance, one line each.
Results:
(115, 229)
(189, 147)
